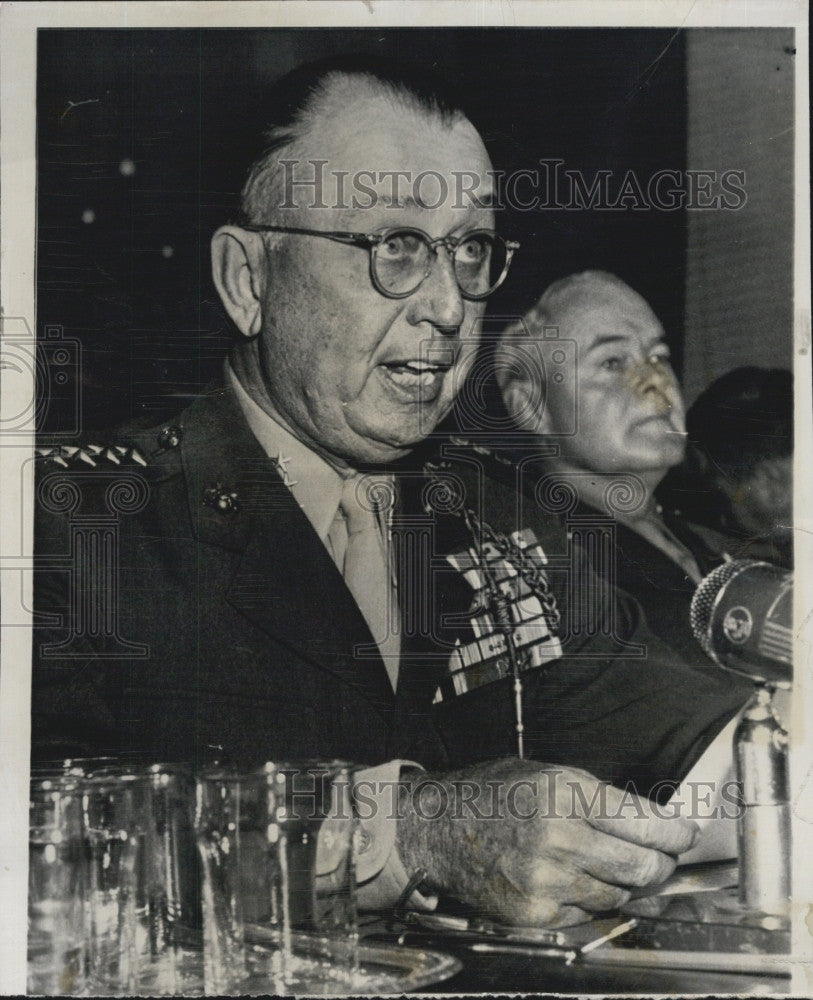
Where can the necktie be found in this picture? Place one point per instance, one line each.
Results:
(366, 567)
(656, 532)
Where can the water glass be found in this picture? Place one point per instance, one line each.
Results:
(144, 903)
(117, 824)
(174, 964)
(279, 908)
(56, 887)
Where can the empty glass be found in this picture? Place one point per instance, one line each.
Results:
(56, 887)
(174, 964)
(279, 908)
(144, 906)
(116, 821)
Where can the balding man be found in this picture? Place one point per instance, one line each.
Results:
(629, 432)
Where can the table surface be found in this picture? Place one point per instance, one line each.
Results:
(652, 957)
(522, 969)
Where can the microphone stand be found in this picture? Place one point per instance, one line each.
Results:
(763, 824)
(755, 917)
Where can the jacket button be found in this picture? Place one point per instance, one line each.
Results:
(221, 498)
(169, 437)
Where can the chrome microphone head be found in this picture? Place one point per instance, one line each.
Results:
(741, 615)
(703, 601)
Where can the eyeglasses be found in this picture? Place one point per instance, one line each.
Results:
(401, 259)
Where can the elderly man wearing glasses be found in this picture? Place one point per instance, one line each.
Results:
(271, 593)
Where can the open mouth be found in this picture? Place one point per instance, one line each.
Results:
(415, 374)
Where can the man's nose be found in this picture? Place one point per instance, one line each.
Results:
(657, 374)
(653, 379)
(438, 300)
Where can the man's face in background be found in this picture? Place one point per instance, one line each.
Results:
(359, 376)
(628, 406)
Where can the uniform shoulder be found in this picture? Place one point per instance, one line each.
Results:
(465, 457)
(133, 447)
(499, 486)
(90, 455)
(462, 474)
(120, 472)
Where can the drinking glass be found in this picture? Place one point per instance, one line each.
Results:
(279, 907)
(174, 964)
(144, 904)
(56, 887)
(117, 823)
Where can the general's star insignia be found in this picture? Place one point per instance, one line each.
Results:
(282, 465)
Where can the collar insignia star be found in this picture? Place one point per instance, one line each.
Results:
(281, 463)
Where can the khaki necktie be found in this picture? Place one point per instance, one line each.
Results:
(365, 566)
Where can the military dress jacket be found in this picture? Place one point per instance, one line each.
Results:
(214, 624)
(662, 587)
(186, 609)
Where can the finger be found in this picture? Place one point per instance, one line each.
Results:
(636, 820)
(559, 916)
(591, 894)
(568, 916)
(544, 912)
(615, 861)
(556, 905)
(625, 864)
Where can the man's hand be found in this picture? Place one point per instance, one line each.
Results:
(535, 844)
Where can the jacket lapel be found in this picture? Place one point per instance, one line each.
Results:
(429, 590)
(285, 581)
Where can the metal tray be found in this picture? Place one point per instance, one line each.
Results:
(382, 968)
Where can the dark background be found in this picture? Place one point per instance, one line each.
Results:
(132, 286)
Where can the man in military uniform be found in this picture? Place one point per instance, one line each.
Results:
(223, 584)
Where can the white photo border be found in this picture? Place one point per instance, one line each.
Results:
(19, 23)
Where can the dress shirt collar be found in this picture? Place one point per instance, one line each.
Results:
(316, 486)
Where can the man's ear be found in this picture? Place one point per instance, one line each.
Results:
(236, 262)
(524, 401)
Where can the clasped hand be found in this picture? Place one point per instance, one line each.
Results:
(534, 844)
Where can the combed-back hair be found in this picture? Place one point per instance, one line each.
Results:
(547, 312)
(303, 97)
(561, 294)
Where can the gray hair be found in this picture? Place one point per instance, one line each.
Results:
(312, 95)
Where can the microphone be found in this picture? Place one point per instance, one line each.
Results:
(741, 615)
